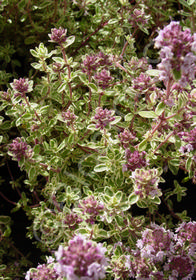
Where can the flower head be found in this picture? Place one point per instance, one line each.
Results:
(72, 220)
(177, 58)
(20, 149)
(146, 182)
(134, 160)
(187, 232)
(103, 78)
(180, 267)
(156, 243)
(42, 272)
(82, 259)
(103, 117)
(58, 35)
(92, 208)
(69, 117)
(126, 138)
(21, 86)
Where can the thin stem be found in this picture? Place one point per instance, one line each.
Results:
(28, 104)
(99, 102)
(123, 68)
(19, 193)
(171, 210)
(162, 143)
(4, 197)
(88, 38)
(69, 72)
(56, 203)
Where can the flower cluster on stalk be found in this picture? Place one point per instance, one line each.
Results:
(81, 260)
(92, 62)
(161, 254)
(58, 35)
(103, 117)
(22, 86)
(103, 78)
(134, 160)
(178, 59)
(145, 183)
(92, 208)
(19, 149)
(126, 138)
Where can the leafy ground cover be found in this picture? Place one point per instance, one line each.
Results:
(98, 139)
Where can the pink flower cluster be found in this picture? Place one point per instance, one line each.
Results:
(178, 59)
(58, 35)
(69, 117)
(72, 220)
(126, 138)
(42, 272)
(134, 160)
(81, 260)
(92, 62)
(145, 183)
(19, 149)
(189, 137)
(103, 117)
(103, 78)
(21, 86)
(92, 208)
(161, 254)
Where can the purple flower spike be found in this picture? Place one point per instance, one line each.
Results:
(126, 138)
(81, 260)
(20, 149)
(58, 35)
(103, 78)
(92, 208)
(103, 117)
(21, 86)
(134, 160)
(178, 60)
(181, 267)
(69, 117)
(43, 272)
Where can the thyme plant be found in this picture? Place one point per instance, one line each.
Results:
(99, 124)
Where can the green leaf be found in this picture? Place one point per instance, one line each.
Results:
(103, 233)
(30, 40)
(177, 74)
(6, 125)
(183, 2)
(100, 168)
(93, 87)
(128, 117)
(32, 173)
(188, 163)
(142, 145)
(153, 72)
(147, 114)
(133, 198)
(173, 165)
(83, 79)
(156, 200)
(160, 108)
(5, 220)
(113, 21)
(61, 146)
(190, 2)
(120, 221)
(69, 41)
(2, 267)
(117, 119)
(36, 65)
